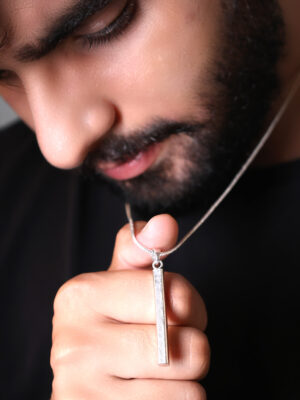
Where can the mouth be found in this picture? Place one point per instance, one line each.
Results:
(132, 167)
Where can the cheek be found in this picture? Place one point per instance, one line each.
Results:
(158, 68)
(155, 70)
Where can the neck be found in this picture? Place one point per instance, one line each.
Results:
(284, 144)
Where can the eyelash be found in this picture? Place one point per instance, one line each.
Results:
(106, 35)
(114, 29)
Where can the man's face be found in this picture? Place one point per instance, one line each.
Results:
(162, 98)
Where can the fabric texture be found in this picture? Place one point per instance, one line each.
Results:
(244, 261)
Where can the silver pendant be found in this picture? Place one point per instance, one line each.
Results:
(160, 308)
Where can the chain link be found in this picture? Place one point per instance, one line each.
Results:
(157, 255)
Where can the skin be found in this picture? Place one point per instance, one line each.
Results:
(69, 115)
(103, 327)
(72, 116)
(116, 356)
(284, 144)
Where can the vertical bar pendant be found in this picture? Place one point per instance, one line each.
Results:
(161, 320)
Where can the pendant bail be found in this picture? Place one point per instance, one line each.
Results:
(157, 262)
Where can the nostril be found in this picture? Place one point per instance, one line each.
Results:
(65, 151)
(68, 127)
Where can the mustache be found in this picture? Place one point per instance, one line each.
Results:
(120, 148)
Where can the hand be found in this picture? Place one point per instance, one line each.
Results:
(104, 334)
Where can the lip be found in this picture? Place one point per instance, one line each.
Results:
(133, 167)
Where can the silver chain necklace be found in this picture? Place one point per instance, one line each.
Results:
(157, 264)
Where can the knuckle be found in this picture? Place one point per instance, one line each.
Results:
(199, 354)
(74, 289)
(59, 383)
(68, 292)
(61, 390)
(57, 387)
(70, 359)
(54, 355)
(62, 347)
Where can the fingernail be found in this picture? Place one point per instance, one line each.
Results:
(146, 227)
(146, 232)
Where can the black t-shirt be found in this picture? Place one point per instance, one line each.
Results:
(244, 261)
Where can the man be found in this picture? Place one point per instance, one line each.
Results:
(163, 100)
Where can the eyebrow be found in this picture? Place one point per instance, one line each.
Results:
(64, 25)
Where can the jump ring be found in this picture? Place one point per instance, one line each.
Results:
(157, 264)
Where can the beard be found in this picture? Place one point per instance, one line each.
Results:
(206, 156)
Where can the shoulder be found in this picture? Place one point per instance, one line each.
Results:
(11, 133)
(21, 162)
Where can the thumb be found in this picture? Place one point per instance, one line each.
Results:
(160, 234)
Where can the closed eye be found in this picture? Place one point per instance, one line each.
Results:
(116, 24)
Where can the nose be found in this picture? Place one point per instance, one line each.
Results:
(69, 115)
